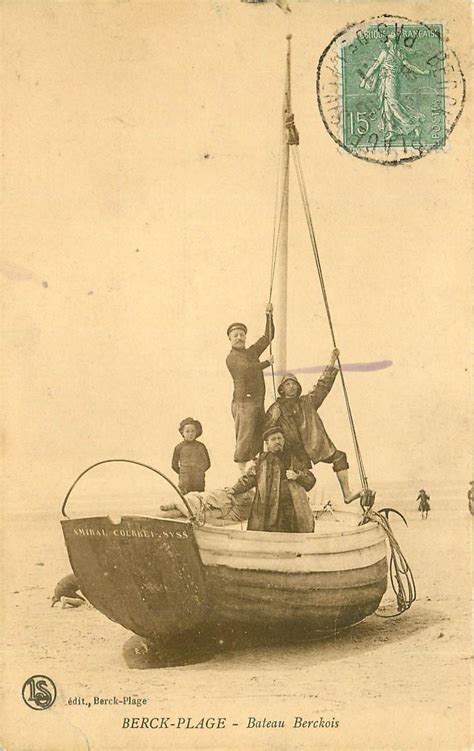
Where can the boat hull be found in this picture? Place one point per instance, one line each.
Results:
(323, 602)
(317, 582)
(143, 573)
(161, 577)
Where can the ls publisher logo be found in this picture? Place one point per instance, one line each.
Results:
(39, 692)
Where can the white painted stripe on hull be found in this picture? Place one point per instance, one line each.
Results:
(278, 544)
(292, 563)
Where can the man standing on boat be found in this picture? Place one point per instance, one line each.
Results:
(249, 388)
(298, 418)
(281, 479)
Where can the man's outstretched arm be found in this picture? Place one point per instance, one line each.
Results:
(326, 381)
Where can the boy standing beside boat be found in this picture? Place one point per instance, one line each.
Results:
(281, 479)
(190, 458)
(249, 388)
(298, 418)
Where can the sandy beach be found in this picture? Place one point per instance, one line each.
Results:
(388, 684)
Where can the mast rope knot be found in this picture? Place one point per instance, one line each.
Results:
(293, 135)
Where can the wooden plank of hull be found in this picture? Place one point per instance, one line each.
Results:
(213, 540)
(353, 547)
(143, 573)
(323, 620)
(301, 582)
(322, 601)
(324, 562)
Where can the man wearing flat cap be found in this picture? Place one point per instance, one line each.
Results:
(249, 388)
(281, 480)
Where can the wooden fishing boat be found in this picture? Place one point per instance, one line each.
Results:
(162, 577)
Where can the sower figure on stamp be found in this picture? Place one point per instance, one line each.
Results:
(302, 427)
(281, 479)
(249, 388)
(397, 118)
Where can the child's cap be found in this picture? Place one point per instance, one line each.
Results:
(190, 421)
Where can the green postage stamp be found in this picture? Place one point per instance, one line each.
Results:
(389, 89)
(390, 93)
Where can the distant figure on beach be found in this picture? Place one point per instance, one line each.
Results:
(304, 432)
(67, 592)
(190, 457)
(281, 480)
(423, 505)
(249, 388)
(470, 499)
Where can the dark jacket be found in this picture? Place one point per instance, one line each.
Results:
(424, 498)
(299, 420)
(191, 461)
(280, 505)
(247, 370)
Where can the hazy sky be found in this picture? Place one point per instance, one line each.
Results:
(140, 160)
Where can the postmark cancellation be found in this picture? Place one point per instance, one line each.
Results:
(389, 89)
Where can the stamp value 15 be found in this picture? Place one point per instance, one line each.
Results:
(389, 90)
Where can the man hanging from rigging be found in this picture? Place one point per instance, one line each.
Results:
(298, 418)
(249, 388)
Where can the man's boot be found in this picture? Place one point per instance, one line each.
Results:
(343, 477)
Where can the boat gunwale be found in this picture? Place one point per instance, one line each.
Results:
(288, 555)
(234, 529)
(287, 536)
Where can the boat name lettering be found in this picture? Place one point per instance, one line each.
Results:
(180, 535)
(127, 532)
(90, 532)
(87, 531)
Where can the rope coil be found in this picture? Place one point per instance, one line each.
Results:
(401, 576)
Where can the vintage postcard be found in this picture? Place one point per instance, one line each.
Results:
(236, 324)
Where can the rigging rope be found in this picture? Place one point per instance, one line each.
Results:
(283, 188)
(276, 232)
(293, 140)
(276, 236)
(276, 242)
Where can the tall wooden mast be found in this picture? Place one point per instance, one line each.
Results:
(281, 269)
